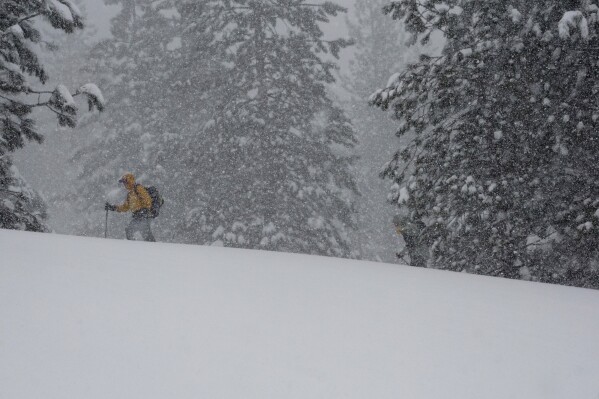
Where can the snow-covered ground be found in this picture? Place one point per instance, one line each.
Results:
(98, 319)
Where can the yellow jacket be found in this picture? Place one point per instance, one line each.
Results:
(137, 196)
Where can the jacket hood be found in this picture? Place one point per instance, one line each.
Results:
(129, 180)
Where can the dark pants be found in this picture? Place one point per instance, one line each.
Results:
(415, 250)
(142, 225)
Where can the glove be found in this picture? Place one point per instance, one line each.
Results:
(109, 207)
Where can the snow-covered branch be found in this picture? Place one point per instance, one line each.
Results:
(573, 20)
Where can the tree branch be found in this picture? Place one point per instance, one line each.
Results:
(19, 22)
(16, 194)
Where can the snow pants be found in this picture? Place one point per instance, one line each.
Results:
(142, 225)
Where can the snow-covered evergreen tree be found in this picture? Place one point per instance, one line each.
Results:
(20, 68)
(276, 151)
(503, 167)
(48, 166)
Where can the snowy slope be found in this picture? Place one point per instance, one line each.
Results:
(97, 319)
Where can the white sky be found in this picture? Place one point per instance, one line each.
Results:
(99, 14)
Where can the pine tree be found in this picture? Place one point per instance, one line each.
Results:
(48, 167)
(503, 167)
(277, 152)
(20, 207)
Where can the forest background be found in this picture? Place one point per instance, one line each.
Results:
(262, 124)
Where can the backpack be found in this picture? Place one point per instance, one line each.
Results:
(157, 202)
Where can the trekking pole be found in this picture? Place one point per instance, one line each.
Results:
(106, 225)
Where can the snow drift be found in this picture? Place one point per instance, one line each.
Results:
(91, 318)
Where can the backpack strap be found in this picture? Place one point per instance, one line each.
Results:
(139, 196)
(143, 211)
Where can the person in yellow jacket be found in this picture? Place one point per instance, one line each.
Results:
(139, 203)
